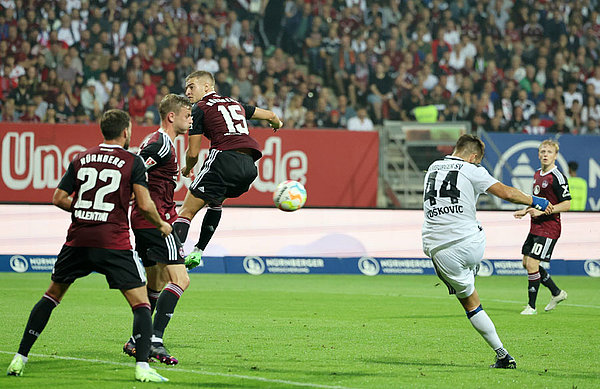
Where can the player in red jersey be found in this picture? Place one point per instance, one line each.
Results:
(162, 257)
(229, 169)
(102, 180)
(552, 185)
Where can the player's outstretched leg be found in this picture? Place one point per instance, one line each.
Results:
(38, 318)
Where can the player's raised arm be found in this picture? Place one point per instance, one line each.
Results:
(265, 114)
(514, 195)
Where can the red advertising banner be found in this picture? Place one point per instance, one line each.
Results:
(338, 168)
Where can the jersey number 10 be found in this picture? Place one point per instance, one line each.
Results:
(448, 188)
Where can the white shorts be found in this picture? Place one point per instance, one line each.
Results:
(457, 265)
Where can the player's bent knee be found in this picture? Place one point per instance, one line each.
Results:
(57, 290)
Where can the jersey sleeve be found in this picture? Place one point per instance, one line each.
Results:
(249, 109)
(197, 121)
(67, 183)
(155, 153)
(481, 179)
(138, 172)
(560, 186)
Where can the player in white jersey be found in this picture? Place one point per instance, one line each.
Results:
(452, 236)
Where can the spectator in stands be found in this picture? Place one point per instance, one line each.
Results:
(21, 95)
(572, 94)
(361, 121)
(518, 122)
(560, 125)
(591, 110)
(381, 91)
(90, 100)
(592, 127)
(138, 104)
(63, 113)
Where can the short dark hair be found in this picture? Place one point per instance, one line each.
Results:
(113, 122)
(200, 74)
(471, 144)
(172, 103)
(573, 166)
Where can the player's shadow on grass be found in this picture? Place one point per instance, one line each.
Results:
(413, 362)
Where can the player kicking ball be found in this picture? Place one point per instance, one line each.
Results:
(230, 167)
(545, 228)
(452, 236)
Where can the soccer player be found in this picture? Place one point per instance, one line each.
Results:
(452, 236)
(162, 257)
(552, 185)
(229, 169)
(102, 180)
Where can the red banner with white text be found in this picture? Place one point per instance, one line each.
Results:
(338, 168)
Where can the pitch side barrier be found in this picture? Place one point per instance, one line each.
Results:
(368, 266)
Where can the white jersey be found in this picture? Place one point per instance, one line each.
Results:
(451, 189)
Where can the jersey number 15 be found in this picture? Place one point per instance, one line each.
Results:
(448, 188)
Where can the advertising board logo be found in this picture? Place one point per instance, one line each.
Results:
(276, 166)
(368, 266)
(19, 263)
(485, 268)
(254, 265)
(25, 164)
(592, 267)
(521, 159)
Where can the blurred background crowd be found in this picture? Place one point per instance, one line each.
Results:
(510, 66)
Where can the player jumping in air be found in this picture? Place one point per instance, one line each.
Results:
(452, 236)
(102, 180)
(162, 257)
(229, 169)
(552, 185)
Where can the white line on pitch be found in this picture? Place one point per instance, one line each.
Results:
(200, 372)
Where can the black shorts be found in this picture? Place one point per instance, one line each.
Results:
(153, 248)
(122, 268)
(224, 174)
(538, 247)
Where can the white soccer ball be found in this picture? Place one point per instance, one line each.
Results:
(289, 196)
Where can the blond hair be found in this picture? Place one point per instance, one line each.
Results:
(549, 142)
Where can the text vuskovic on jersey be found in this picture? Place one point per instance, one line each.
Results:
(456, 208)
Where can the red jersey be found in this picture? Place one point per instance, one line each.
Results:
(102, 179)
(552, 186)
(223, 121)
(158, 153)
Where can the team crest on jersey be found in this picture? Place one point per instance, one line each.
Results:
(181, 252)
(149, 162)
(544, 184)
(536, 189)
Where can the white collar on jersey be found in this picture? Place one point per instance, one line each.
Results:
(548, 172)
(162, 131)
(110, 146)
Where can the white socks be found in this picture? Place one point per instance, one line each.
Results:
(484, 325)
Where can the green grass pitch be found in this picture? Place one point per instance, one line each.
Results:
(287, 331)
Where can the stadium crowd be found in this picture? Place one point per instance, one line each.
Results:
(505, 65)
